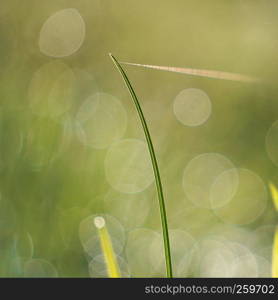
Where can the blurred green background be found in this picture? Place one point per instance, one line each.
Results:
(72, 147)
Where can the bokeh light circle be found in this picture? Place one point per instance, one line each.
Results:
(186, 266)
(192, 107)
(212, 257)
(39, 268)
(224, 188)
(200, 175)
(128, 166)
(264, 267)
(218, 256)
(232, 233)
(244, 267)
(249, 201)
(261, 240)
(215, 263)
(24, 245)
(138, 252)
(123, 206)
(101, 120)
(62, 34)
(51, 89)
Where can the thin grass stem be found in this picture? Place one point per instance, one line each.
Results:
(162, 207)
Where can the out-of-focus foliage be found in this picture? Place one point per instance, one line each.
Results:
(71, 145)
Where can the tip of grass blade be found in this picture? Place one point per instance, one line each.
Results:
(99, 222)
(111, 56)
(115, 61)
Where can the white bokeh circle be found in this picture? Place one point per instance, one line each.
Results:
(192, 107)
(200, 175)
(101, 120)
(62, 34)
(128, 166)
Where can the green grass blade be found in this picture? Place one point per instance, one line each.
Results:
(155, 169)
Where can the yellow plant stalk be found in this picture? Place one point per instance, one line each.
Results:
(275, 256)
(274, 194)
(107, 249)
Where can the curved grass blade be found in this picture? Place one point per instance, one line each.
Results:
(199, 72)
(155, 169)
(107, 249)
